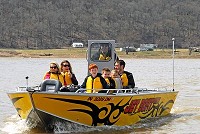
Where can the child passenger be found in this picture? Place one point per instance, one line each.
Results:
(94, 80)
(106, 75)
(115, 75)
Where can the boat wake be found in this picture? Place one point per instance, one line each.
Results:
(14, 124)
(67, 127)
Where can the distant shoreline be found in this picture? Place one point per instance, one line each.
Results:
(81, 53)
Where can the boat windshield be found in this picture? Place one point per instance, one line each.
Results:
(101, 52)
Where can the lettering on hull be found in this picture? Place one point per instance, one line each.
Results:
(149, 107)
(99, 98)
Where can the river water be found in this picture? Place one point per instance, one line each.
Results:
(150, 73)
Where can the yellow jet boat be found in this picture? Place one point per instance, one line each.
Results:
(45, 104)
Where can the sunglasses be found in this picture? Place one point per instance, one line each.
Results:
(65, 65)
(54, 67)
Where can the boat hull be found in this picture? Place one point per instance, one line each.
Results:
(22, 103)
(98, 109)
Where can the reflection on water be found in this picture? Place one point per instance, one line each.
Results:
(150, 73)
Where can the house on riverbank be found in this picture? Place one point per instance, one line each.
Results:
(77, 45)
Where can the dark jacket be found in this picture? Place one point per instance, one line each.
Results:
(74, 80)
(131, 82)
(112, 83)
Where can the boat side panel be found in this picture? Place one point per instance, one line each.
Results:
(22, 103)
(107, 109)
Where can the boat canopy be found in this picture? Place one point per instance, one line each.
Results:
(94, 51)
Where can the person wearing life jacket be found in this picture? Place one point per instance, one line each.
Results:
(104, 53)
(116, 77)
(106, 75)
(54, 73)
(68, 75)
(94, 82)
(127, 77)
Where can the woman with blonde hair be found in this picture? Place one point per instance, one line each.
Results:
(68, 76)
(54, 72)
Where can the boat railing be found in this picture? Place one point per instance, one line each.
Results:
(135, 90)
(108, 91)
(158, 89)
(33, 88)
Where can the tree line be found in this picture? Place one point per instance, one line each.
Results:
(41, 24)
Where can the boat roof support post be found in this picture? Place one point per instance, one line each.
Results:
(173, 39)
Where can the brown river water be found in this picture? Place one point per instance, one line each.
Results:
(148, 73)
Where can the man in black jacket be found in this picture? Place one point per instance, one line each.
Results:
(127, 77)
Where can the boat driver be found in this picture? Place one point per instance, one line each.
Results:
(104, 52)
